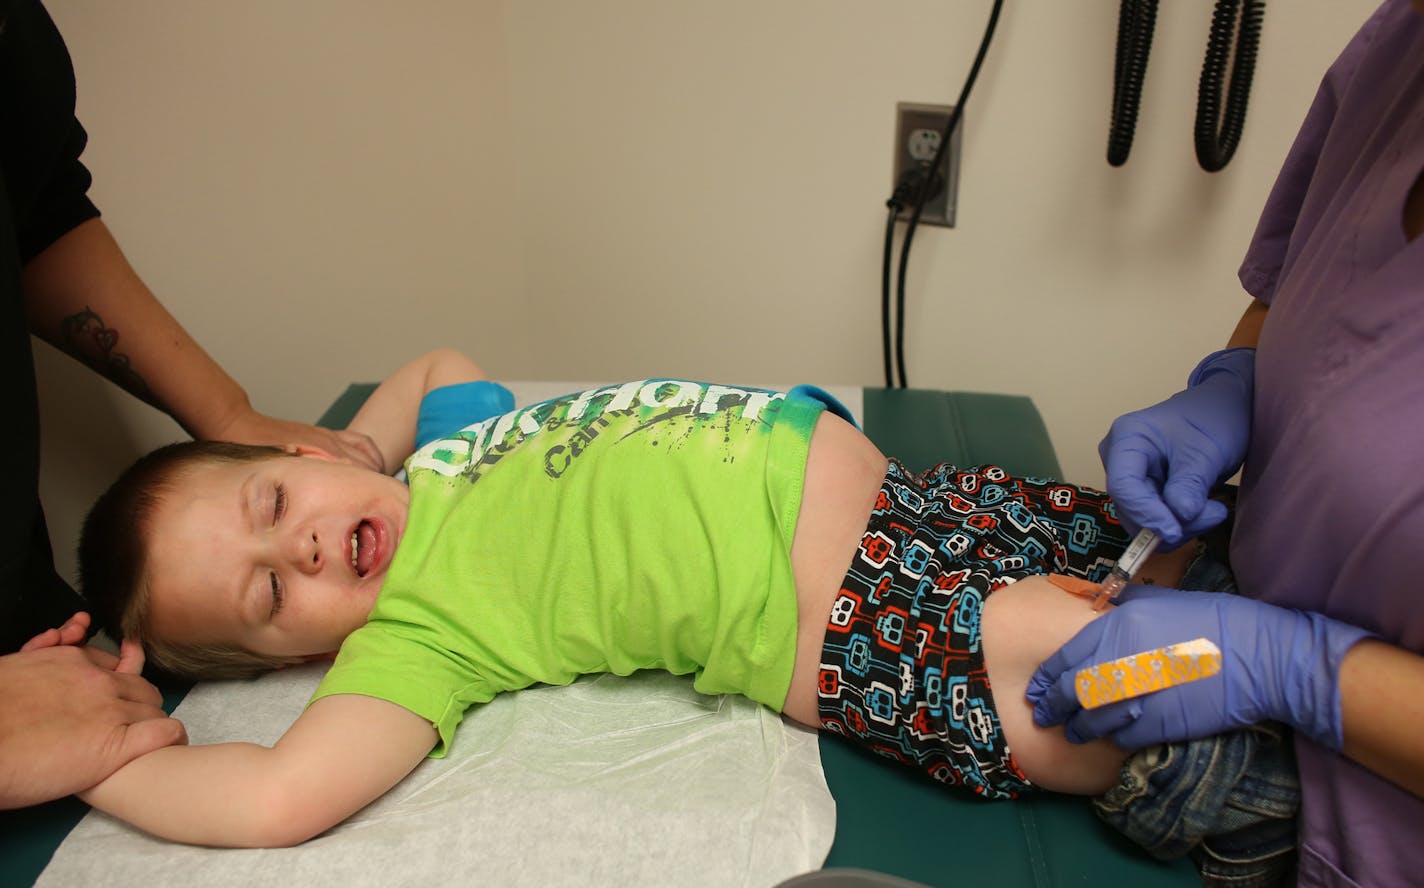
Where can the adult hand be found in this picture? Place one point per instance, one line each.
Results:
(72, 632)
(71, 716)
(1276, 665)
(84, 275)
(256, 428)
(1163, 461)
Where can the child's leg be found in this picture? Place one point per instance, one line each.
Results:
(1022, 625)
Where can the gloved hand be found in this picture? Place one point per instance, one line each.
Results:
(1163, 461)
(1277, 665)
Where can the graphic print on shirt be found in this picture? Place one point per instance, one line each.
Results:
(656, 413)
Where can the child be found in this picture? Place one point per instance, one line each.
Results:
(754, 539)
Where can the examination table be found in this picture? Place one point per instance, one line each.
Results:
(888, 819)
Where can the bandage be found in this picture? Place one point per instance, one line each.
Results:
(1147, 672)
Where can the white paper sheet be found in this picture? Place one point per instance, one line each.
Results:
(610, 781)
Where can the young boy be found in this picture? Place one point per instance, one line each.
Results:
(754, 539)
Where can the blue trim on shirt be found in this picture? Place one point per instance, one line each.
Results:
(816, 393)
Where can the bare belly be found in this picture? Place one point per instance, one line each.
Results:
(843, 475)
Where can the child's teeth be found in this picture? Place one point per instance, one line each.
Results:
(354, 544)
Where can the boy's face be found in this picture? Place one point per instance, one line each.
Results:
(281, 557)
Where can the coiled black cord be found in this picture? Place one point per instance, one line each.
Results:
(1136, 20)
(1215, 146)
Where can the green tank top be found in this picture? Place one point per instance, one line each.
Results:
(640, 526)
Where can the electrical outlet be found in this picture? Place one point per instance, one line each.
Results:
(918, 130)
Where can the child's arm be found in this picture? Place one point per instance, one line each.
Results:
(343, 753)
(389, 415)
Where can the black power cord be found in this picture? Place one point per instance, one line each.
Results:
(885, 350)
(924, 188)
(905, 191)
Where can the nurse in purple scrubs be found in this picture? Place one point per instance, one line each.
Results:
(1319, 400)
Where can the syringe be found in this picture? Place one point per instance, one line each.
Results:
(1142, 545)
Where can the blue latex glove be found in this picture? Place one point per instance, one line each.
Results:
(1277, 665)
(1163, 461)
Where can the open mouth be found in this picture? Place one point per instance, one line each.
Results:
(363, 548)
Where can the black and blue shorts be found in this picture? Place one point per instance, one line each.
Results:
(902, 669)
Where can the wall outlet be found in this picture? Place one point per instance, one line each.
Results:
(918, 130)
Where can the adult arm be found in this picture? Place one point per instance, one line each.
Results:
(72, 715)
(84, 298)
(1247, 332)
(343, 753)
(1163, 461)
(1328, 680)
(1382, 705)
(389, 415)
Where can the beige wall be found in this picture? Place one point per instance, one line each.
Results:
(319, 190)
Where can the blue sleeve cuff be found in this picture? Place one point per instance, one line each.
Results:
(815, 393)
(453, 407)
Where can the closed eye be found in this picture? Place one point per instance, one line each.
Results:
(279, 504)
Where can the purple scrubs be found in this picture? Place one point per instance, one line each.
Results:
(1331, 513)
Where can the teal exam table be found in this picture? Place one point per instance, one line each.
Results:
(887, 818)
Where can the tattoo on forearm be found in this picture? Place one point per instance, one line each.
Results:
(86, 337)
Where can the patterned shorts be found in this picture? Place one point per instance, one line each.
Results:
(902, 670)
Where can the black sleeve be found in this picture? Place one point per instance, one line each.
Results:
(32, 595)
(43, 194)
(40, 139)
